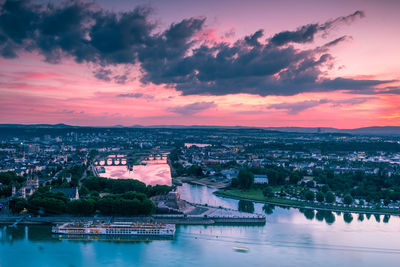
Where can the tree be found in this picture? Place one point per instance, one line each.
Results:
(82, 206)
(320, 196)
(309, 195)
(245, 179)
(17, 205)
(348, 199)
(325, 188)
(234, 182)
(268, 192)
(83, 191)
(195, 170)
(330, 197)
(386, 201)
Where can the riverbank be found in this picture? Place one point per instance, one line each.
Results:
(199, 181)
(220, 217)
(258, 197)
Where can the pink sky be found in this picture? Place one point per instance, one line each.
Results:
(33, 91)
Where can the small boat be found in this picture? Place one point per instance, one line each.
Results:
(238, 249)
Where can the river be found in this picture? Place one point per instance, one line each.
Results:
(289, 238)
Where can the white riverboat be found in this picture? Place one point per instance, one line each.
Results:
(115, 228)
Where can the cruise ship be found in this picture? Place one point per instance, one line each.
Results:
(115, 228)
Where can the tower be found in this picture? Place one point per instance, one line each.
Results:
(36, 182)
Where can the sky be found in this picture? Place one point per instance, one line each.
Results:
(180, 62)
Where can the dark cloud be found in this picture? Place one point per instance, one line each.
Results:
(306, 33)
(136, 95)
(252, 40)
(103, 74)
(191, 109)
(121, 79)
(175, 57)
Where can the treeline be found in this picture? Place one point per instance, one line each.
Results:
(119, 186)
(327, 147)
(45, 202)
(276, 176)
(361, 185)
(8, 179)
(370, 187)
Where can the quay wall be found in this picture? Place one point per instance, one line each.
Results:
(172, 219)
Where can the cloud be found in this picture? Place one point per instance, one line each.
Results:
(294, 108)
(136, 95)
(191, 109)
(175, 57)
(306, 33)
(297, 107)
(352, 101)
(103, 74)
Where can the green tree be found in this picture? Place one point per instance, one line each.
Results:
(320, 196)
(82, 206)
(348, 199)
(17, 205)
(234, 182)
(245, 179)
(267, 191)
(330, 197)
(83, 191)
(195, 170)
(309, 195)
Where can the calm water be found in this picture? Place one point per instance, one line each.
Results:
(153, 173)
(288, 239)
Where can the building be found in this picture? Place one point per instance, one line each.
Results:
(32, 184)
(260, 179)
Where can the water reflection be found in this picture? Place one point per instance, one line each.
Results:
(310, 214)
(155, 172)
(348, 217)
(268, 208)
(203, 195)
(246, 206)
(42, 233)
(12, 234)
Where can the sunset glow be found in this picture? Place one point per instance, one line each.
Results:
(203, 64)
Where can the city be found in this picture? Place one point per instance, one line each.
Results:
(199, 133)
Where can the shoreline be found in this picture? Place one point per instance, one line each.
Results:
(312, 206)
(166, 219)
(196, 181)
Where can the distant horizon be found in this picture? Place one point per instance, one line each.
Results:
(194, 125)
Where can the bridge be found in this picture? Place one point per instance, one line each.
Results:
(123, 160)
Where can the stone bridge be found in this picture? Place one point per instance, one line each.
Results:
(123, 160)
